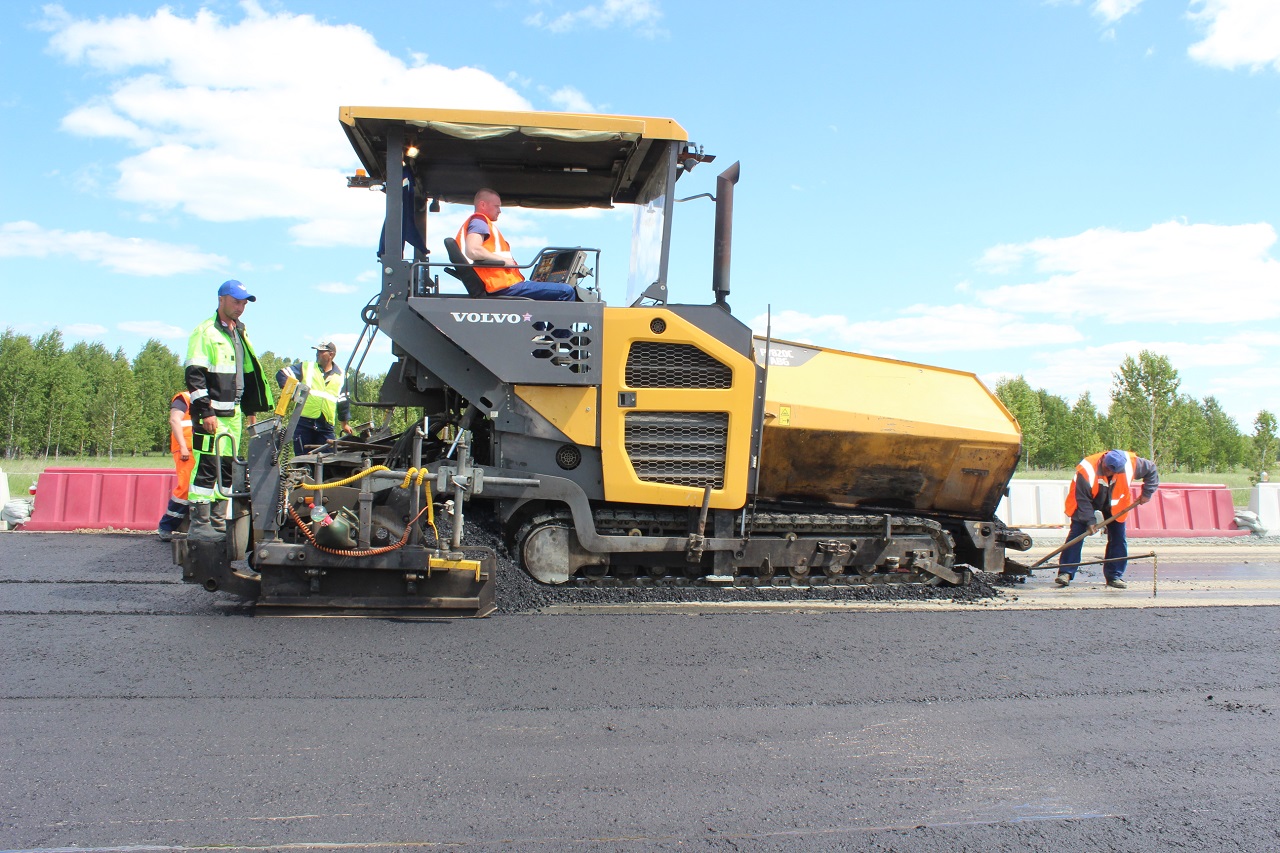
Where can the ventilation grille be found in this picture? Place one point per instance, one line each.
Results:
(564, 347)
(679, 448)
(660, 365)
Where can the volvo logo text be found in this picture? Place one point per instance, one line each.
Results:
(477, 317)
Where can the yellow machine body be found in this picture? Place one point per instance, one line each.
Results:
(676, 413)
(853, 430)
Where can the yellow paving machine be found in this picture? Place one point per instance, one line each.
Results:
(633, 442)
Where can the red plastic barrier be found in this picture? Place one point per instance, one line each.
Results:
(1186, 509)
(97, 498)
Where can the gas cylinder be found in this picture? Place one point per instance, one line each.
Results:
(339, 531)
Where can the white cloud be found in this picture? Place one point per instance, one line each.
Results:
(570, 100)
(221, 140)
(1207, 369)
(84, 330)
(336, 287)
(152, 329)
(98, 119)
(1169, 273)
(1238, 32)
(346, 341)
(643, 16)
(1108, 11)
(920, 329)
(1256, 382)
(1172, 272)
(1265, 339)
(1004, 258)
(1111, 11)
(129, 255)
(361, 226)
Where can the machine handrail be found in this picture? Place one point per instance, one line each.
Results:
(434, 284)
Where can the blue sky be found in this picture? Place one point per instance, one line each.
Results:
(1006, 187)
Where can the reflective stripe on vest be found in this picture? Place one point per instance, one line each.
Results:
(322, 402)
(494, 278)
(215, 352)
(1121, 483)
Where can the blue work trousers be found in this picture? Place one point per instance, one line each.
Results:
(1117, 549)
(310, 434)
(549, 291)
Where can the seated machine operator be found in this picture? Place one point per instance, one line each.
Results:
(481, 241)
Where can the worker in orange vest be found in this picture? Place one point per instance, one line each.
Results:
(180, 447)
(484, 245)
(1104, 483)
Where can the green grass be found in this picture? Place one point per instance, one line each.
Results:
(1237, 481)
(22, 472)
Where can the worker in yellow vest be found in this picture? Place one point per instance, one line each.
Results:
(224, 378)
(327, 403)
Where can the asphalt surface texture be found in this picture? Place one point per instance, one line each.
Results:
(138, 712)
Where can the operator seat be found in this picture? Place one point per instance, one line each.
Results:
(464, 271)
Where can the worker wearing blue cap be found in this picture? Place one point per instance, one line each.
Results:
(1102, 494)
(225, 379)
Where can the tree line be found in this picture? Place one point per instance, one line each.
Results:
(85, 400)
(1148, 414)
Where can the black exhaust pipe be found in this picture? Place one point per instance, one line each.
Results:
(722, 249)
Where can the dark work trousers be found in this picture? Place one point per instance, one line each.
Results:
(1116, 548)
(311, 432)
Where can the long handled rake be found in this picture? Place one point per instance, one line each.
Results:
(1101, 523)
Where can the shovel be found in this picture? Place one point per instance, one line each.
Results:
(1099, 523)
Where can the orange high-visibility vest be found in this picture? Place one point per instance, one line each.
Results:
(183, 468)
(1121, 482)
(494, 278)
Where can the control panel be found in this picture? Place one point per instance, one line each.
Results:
(566, 266)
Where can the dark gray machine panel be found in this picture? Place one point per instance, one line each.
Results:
(523, 340)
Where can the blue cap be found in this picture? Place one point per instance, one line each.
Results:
(1115, 460)
(236, 290)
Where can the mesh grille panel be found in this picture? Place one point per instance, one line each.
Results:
(659, 365)
(679, 448)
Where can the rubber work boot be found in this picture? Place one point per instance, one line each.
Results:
(164, 535)
(1116, 583)
(218, 516)
(201, 529)
(1062, 579)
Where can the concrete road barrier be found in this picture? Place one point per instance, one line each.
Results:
(1034, 503)
(1265, 501)
(98, 498)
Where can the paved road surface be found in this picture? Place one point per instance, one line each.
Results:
(137, 711)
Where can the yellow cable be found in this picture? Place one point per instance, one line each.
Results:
(420, 474)
(314, 487)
